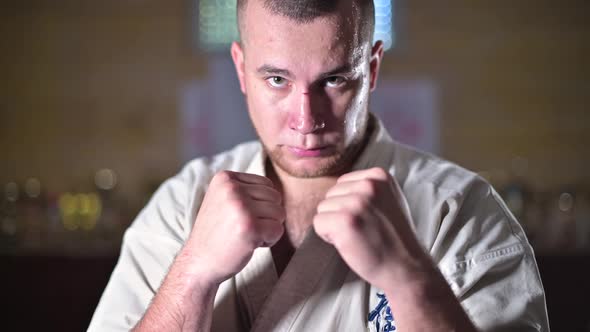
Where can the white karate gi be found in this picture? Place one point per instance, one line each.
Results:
(461, 221)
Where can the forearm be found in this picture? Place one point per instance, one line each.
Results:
(233, 220)
(183, 302)
(427, 303)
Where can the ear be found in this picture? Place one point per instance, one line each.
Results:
(376, 57)
(237, 55)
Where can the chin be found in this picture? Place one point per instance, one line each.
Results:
(318, 168)
(331, 165)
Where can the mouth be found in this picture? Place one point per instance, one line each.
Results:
(309, 152)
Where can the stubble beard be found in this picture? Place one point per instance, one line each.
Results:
(336, 164)
(333, 165)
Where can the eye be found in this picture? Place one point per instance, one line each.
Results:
(277, 81)
(335, 81)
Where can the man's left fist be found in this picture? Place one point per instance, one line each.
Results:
(366, 217)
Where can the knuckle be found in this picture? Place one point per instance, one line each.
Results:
(330, 191)
(351, 221)
(320, 223)
(316, 219)
(380, 173)
(354, 203)
(281, 213)
(267, 181)
(275, 213)
(244, 227)
(361, 203)
(274, 194)
(319, 226)
(231, 187)
(276, 231)
(238, 205)
(321, 206)
(369, 187)
(222, 176)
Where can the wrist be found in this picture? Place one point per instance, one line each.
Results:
(422, 285)
(414, 274)
(192, 275)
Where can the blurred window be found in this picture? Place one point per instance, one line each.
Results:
(216, 24)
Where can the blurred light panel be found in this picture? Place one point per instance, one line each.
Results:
(217, 26)
(384, 23)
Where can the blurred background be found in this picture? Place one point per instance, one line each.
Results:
(100, 101)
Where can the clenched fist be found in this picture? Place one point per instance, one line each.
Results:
(365, 216)
(239, 213)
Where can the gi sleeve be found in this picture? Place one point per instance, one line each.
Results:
(149, 247)
(489, 264)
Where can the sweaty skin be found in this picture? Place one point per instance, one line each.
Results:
(307, 90)
(294, 81)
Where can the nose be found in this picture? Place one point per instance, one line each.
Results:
(305, 119)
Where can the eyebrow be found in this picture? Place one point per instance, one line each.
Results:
(343, 69)
(267, 69)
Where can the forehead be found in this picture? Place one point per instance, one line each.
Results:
(325, 41)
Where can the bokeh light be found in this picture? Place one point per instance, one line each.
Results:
(11, 191)
(68, 206)
(80, 211)
(566, 202)
(105, 179)
(33, 187)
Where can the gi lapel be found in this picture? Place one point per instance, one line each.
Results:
(256, 281)
(311, 261)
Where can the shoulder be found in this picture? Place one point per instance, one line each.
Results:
(172, 208)
(474, 239)
(415, 168)
(237, 159)
(454, 208)
(199, 171)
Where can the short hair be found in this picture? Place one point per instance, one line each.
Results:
(305, 11)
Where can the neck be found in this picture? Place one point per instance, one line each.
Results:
(300, 199)
(299, 189)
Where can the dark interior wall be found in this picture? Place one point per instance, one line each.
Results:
(92, 84)
(513, 79)
(60, 294)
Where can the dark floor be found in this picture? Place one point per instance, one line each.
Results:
(59, 294)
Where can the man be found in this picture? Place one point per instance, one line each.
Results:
(326, 224)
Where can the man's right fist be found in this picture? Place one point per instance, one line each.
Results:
(239, 213)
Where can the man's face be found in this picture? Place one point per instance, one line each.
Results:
(307, 87)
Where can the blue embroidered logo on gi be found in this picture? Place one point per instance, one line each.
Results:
(381, 316)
